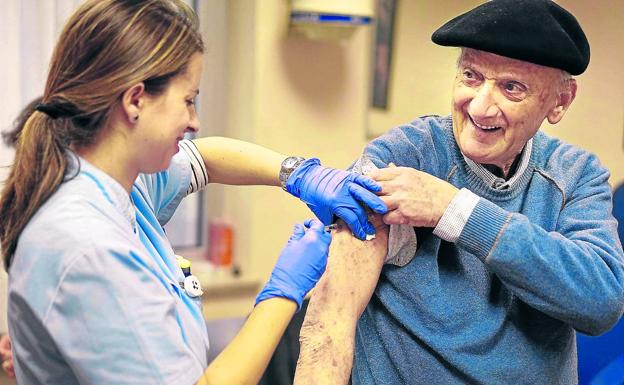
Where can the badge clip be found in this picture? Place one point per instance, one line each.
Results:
(191, 284)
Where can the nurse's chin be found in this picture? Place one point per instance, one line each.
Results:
(164, 164)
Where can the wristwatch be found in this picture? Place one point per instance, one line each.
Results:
(288, 166)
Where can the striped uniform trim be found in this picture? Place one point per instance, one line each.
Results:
(199, 179)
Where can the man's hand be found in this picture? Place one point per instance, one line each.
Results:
(329, 192)
(7, 355)
(413, 197)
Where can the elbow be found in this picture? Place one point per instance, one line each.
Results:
(602, 316)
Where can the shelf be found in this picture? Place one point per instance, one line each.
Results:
(222, 281)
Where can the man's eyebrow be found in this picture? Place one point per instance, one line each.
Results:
(513, 75)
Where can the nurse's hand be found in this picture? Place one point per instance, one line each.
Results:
(7, 356)
(329, 192)
(300, 265)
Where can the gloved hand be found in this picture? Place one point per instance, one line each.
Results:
(300, 265)
(329, 192)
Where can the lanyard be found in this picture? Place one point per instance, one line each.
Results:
(105, 193)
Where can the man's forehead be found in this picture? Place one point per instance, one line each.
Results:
(504, 66)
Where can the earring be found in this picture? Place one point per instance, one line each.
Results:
(135, 118)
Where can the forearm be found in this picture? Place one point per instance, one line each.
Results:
(235, 162)
(328, 332)
(574, 274)
(244, 360)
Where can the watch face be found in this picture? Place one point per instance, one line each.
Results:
(288, 166)
(290, 161)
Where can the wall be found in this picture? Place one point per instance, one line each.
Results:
(422, 72)
(596, 119)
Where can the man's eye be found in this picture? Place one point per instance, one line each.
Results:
(514, 87)
(469, 77)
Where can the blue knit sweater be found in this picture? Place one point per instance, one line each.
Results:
(501, 305)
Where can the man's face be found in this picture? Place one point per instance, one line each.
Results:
(499, 104)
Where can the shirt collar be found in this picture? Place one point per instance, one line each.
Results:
(112, 190)
(496, 182)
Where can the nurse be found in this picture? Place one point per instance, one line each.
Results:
(96, 295)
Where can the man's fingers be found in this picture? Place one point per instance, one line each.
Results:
(388, 187)
(395, 218)
(391, 202)
(384, 174)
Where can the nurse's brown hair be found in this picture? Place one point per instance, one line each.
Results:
(105, 47)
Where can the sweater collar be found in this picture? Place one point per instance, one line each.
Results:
(499, 183)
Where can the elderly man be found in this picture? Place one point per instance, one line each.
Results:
(515, 247)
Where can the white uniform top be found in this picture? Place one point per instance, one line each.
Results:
(94, 294)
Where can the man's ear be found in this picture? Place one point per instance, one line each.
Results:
(132, 101)
(564, 100)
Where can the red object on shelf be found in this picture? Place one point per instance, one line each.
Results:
(220, 243)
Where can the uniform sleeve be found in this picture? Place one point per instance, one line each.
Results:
(115, 322)
(164, 190)
(575, 273)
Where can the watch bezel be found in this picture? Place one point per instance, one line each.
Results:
(288, 166)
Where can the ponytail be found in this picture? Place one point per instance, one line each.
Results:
(105, 47)
(38, 170)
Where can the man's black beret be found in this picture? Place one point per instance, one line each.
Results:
(536, 31)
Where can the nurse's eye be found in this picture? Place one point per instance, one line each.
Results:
(190, 102)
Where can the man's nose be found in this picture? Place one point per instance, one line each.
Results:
(483, 104)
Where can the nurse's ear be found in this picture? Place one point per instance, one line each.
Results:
(132, 101)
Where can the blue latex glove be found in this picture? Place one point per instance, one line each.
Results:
(300, 265)
(329, 192)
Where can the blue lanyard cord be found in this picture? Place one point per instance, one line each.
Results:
(108, 198)
(99, 185)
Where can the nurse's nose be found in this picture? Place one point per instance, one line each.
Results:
(193, 124)
(483, 104)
